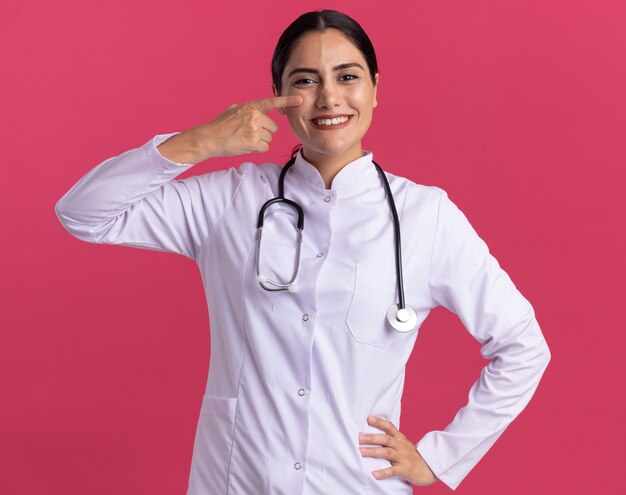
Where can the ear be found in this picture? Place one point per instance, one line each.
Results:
(375, 89)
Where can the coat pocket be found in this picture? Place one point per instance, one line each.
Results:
(212, 446)
(374, 293)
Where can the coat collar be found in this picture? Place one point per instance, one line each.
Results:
(354, 175)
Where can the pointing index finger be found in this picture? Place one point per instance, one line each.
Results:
(268, 104)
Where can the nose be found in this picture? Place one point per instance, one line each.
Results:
(328, 95)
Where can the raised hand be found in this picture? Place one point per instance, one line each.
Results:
(237, 130)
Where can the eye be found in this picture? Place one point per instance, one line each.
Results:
(301, 80)
(351, 76)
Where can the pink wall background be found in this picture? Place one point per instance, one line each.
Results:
(517, 109)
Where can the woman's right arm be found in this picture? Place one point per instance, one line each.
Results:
(134, 200)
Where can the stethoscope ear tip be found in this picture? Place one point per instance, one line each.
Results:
(292, 288)
(261, 278)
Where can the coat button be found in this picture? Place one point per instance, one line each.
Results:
(327, 199)
(297, 465)
(301, 392)
(319, 255)
(305, 317)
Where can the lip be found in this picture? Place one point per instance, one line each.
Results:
(332, 116)
(331, 127)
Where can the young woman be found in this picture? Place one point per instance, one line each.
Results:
(313, 321)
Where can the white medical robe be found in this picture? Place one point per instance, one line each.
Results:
(293, 376)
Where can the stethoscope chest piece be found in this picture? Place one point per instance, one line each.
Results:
(402, 320)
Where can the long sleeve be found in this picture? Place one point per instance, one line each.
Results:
(133, 199)
(466, 279)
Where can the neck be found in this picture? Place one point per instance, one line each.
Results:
(329, 165)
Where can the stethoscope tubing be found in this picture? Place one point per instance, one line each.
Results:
(398, 240)
(400, 317)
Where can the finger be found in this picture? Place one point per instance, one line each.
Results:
(383, 424)
(384, 473)
(268, 124)
(383, 452)
(375, 439)
(265, 135)
(268, 104)
(261, 147)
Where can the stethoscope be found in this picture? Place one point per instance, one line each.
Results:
(400, 316)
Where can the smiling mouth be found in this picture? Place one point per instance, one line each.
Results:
(333, 123)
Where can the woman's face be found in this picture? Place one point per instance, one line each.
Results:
(332, 76)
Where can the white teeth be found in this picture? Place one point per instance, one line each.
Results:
(338, 120)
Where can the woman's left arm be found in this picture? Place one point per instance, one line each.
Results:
(465, 278)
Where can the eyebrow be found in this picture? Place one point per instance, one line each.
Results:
(310, 70)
